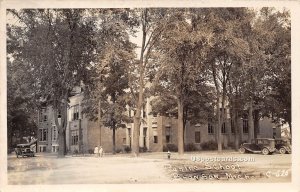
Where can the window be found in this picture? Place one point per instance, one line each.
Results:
(155, 139)
(144, 113)
(129, 112)
(42, 148)
(168, 139)
(59, 114)
(75, 137)
(168, 130)
(154, 114)
(144, 136)
(168, 134)
(210, 127)
(43, 134)
(76, 112)
(54, 133)
(232, 126)
(223, 130)
(41, 116)
(129, 136)
(45, 117)
(245, 126)
(197, 136)
(129, 132)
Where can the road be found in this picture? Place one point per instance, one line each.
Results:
(149, 168)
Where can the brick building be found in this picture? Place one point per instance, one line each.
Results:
(156, 131)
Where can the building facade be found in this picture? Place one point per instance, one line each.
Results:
(82, 135)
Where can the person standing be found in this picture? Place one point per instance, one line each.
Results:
(101, 151)
(96, 151)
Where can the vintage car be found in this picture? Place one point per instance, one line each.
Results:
(260, 145)
(26, 149)
(283, 146)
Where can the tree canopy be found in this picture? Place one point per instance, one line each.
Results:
(193, 61)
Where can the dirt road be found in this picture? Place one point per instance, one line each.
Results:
(149, 168)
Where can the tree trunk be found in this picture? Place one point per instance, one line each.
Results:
(65, 142)
(222, 121)
(99, 120)
(256, 123)
(114, 139)
(237, 131)
(234, 119)
(219, 125)
(250, 121)
(137, 124)
(140, 99)
(180, 127)
(61, 127)
(61, 143)
(184, 120)
(290, 125)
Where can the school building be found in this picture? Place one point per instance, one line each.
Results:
(156, 131)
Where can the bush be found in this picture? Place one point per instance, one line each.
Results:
(75, 152)
(190, 147)
(91, 151)
(118, 150)
(231, 145)
(127, 149)
(210, 145)
(170, 147)
(143, 149)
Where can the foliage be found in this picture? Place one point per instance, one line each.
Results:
(108, 79)
(91, 151)
(170, 147)
(190, 147)
(57, 46)
(209, 145)
(192, 60)
(127, 149)
(143, 149)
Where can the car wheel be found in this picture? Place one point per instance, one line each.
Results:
(242, 150)
(265, 151)
(282, 150)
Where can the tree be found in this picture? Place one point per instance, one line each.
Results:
(183, 50)
(58, 47)
(21, 118)
(108, 82)
(152, 23)
(229, 50)
(277, 49)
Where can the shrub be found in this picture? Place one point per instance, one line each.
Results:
(127, 149)
(210, 145)
(75, 152)
(143, 149)
(190, 147)
(170, 147)
(231, 145)
(118, 150)
(91, 151)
